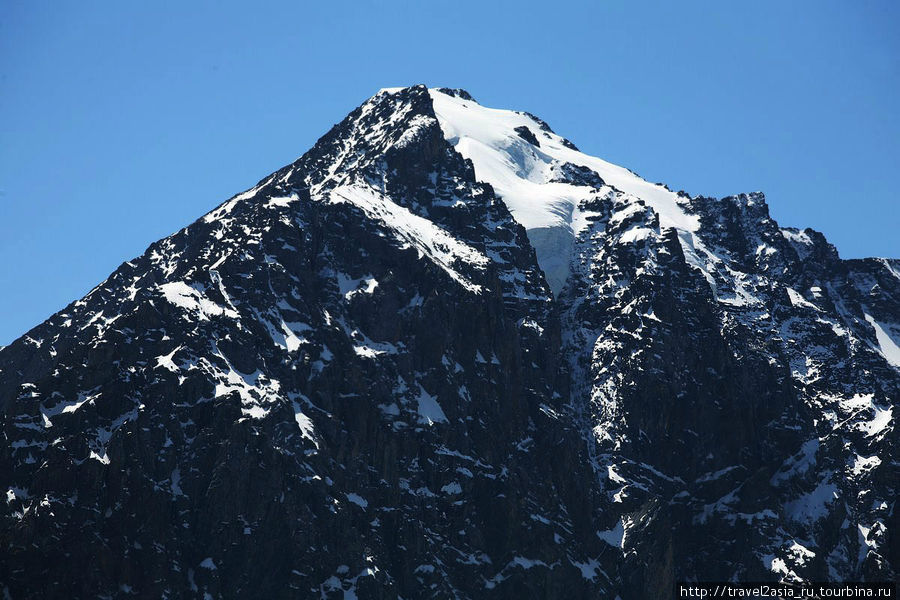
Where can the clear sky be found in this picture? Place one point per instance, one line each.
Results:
(121, 122)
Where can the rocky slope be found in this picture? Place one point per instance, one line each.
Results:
(446, 354)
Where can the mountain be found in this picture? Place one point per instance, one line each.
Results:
(446, 354)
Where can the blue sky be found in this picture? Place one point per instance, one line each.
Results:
(122, 122)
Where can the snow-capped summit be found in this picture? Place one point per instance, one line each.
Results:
(530, 168)
(446, 354)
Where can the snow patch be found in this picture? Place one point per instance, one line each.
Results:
(810, 508)
(880, 421)
(430, 411)
(886, 344)
(166, 361)
(305, 424)
(588, 569)
(350, 287)
(414, 231)
(193, 300)
(615, 536)
(282, 201)
(358, 500)
(862, 464)
(101, 458)
(635, 234)
(799, 301)
(452, 488)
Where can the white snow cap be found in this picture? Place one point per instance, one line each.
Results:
(521, 172)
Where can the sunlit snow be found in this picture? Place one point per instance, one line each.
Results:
(888, 347)
(522, 174)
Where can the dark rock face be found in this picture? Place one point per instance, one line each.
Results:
(767, 421)
(527, 135)
(354, 379)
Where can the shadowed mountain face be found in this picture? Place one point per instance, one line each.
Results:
(446, 354)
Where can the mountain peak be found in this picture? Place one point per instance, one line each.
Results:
(445, 353)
